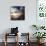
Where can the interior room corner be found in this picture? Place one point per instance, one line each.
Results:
(23, 23)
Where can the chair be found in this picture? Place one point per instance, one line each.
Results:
(8, 35)
(26, 37)
(14, 32)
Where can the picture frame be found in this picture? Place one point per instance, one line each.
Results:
(17, 12)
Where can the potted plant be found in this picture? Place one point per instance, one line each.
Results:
(39, 35)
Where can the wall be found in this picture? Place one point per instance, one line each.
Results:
(25, 25)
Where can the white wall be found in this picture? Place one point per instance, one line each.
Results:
(30, 15)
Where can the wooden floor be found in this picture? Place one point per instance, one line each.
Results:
(13, 44)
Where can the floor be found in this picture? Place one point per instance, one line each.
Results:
(13, 44)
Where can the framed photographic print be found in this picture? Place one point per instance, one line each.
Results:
(17, 13)
(41, 8)
(41, 12)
